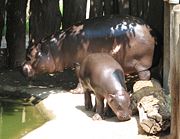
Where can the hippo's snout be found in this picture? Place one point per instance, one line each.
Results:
(124, 116)
(27, 70)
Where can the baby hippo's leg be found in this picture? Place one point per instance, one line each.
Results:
(99, 108)
(87, 100)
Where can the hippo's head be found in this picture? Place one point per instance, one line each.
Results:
(120, 104)
(38, 60)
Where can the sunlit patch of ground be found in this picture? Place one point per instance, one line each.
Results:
(73, 121)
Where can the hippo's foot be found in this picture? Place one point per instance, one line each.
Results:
(88, 106)
(97, 117)
(78, 90)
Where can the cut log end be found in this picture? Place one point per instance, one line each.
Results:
(151, 105)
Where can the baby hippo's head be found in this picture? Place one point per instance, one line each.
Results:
(120, 104)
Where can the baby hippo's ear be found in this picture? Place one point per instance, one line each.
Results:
(110, 97)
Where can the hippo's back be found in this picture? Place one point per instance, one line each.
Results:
(110, 26)
(103, 71)
(127, 39)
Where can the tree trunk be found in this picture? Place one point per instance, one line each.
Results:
(45, 19)
(2, 15)
(74, 11)
(15, 34)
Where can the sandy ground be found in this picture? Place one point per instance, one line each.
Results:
(72, 121)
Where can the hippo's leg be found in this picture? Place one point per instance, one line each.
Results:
(87, 100)
(99, 108)
(79, 88)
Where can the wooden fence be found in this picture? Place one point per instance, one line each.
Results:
(45, 18)
(175, 71)
(172, 62)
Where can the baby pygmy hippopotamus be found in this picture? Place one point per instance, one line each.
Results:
(100, 73)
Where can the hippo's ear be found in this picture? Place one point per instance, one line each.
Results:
(110, 97)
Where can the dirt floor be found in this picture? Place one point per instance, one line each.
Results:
(71, 120)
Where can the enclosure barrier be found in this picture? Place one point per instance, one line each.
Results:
(174, 74)
(168, 8)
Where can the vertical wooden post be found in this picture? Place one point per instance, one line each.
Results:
(2, 15)
(174, 75)
(168, 6)
(96, 8)
(176, 46)
(166, 50)
(108, 7)
(73, 12)
(16, 31)
(178, 79)
(45, 19)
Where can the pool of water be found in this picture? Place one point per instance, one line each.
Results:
(17, 120)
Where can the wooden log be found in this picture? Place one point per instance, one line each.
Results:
(150, 118)
(151, 103)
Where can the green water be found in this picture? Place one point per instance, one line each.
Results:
(16, 121)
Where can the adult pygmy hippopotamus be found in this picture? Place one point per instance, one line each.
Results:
(100, 73)
(128, 39)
